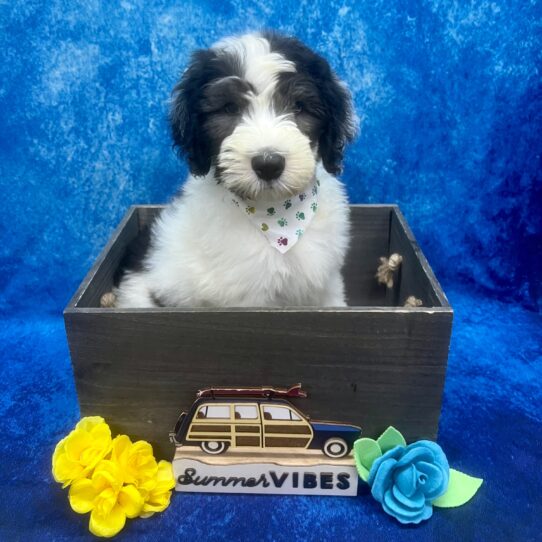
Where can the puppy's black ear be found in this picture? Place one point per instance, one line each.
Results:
(341, 123)
(184, 115)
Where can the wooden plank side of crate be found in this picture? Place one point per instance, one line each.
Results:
(99, 279)
(369, 239)
(415, 276)
(139, 369)
(147, 214)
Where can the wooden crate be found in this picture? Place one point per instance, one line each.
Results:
(374, 363)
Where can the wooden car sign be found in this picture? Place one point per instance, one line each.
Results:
(254, 440)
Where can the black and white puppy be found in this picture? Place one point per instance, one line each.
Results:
(262, 220)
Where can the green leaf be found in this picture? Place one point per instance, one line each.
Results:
(366, 450)
(461, 489)
(389, 439)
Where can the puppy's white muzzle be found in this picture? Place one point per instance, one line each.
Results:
(255, 135)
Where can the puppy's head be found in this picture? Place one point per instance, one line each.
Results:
(261, 109)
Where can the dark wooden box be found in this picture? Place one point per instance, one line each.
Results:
(374, 363)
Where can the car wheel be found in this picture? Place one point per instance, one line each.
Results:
(335, 447)
(214, 447)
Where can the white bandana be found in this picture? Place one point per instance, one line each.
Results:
(282, 222)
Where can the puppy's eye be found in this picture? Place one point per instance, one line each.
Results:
(298, 108)
(231, 109)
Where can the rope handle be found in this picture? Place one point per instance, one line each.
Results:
(387, 268)
(385, 274)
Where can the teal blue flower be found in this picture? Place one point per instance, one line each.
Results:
(407, 480)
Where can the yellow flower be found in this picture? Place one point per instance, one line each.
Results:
(136, 460)
(76, 455)
(111, 479)
(107, 499)
(139, 467)
(157, 491)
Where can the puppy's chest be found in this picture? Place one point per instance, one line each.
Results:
(245, 257)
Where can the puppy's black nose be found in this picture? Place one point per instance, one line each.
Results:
(268, 165)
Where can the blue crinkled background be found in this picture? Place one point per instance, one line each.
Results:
(450, 99)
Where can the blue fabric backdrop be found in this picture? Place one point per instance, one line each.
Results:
(450, 99)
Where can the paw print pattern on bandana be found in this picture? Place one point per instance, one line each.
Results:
(281, 223)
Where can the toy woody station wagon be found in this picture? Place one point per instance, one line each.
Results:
(261, 418)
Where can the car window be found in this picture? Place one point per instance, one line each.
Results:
(279, 413)
(214, 412)
(246, 412)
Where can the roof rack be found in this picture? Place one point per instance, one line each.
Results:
(264, 391)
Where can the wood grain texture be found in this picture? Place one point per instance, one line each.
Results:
(139, 370)
(99, 279)
(415, 276)
(147, 214)
(372, 365)
(369, 240)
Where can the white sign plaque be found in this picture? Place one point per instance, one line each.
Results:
(298, 473)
